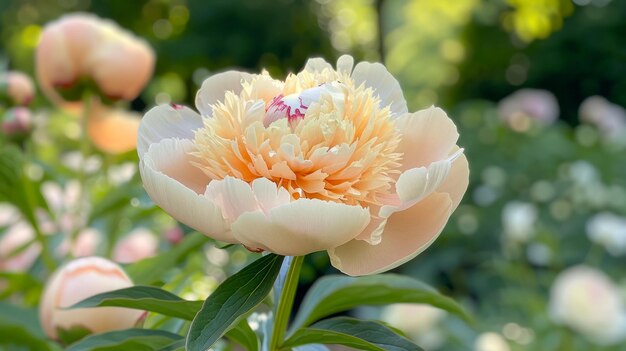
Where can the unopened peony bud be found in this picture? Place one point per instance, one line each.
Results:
(17, 122)
(139, 244)
(76, 281)
(82, 47)
(587, 301)
(18, 86)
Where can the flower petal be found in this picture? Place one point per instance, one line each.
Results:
(214, 89)
(233, 196)
(177, 186)
(457, 180)
(387, 88)
(301, 227)
(317, 64)
(165, 121)
(428, 136)
(406, 234)
(345, 64)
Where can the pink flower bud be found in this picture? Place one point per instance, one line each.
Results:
(139, 244)
(76, 281)
(16, 122)
(84, 47)
(19, 87)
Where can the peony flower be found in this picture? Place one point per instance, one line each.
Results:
(518, 219)
(525, 105)
(19, 87)
(76, 281)
(17, 123)
(137, 245)
(80, 47)
(609, 118)
(326, 160)
(113, 131)
(587, 300)
(418, 321)
(608, 230)
(491, 341)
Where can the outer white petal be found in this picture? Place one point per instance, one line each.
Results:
(345, 64)
(164, 122)
(317, 65)
(457, 180)
(301, 227)
(405, 236)
(376, 76)
(214, 89)
(428, 136)
(233, 196)
(176, 186)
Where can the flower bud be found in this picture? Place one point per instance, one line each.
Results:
(19, 87)
(80, 48)
(137, 245)
(76, 281)
(17, 123)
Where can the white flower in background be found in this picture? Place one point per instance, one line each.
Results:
(122, 173)
(327, 160)
(418, 321)
(526, 105)
(491, 341)
(608, 230)
(518, 220)
(76, 281)
(64, 203)
(74, 161)
(138, 244)
(587, 301)
(609, 118)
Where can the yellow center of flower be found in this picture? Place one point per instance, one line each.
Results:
(316, 134)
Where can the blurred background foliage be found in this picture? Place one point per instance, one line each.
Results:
(464, 55)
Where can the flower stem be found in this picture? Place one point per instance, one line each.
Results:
(285, 303)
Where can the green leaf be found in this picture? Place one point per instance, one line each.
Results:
(333, 294)
(362, 335)
(19, 335)
(149, 270)
(237, 296)
(126, 340)
(244, 336)
(145, 298)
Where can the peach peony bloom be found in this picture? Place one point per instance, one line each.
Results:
(76, 281)
(82, 46)
(326, 160)
(113, 130)
(586, 300)
(19, 87)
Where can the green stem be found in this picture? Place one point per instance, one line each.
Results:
(285, 303)
(85, 150)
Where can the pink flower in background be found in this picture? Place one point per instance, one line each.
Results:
(17, 122)
(609, 118)
(326, 160)
(84, 47)
(76, 281)
(19, 87)
(139, 244)
(18, 248)
(526, 105)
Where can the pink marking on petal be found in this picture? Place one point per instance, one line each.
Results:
(177, 107)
